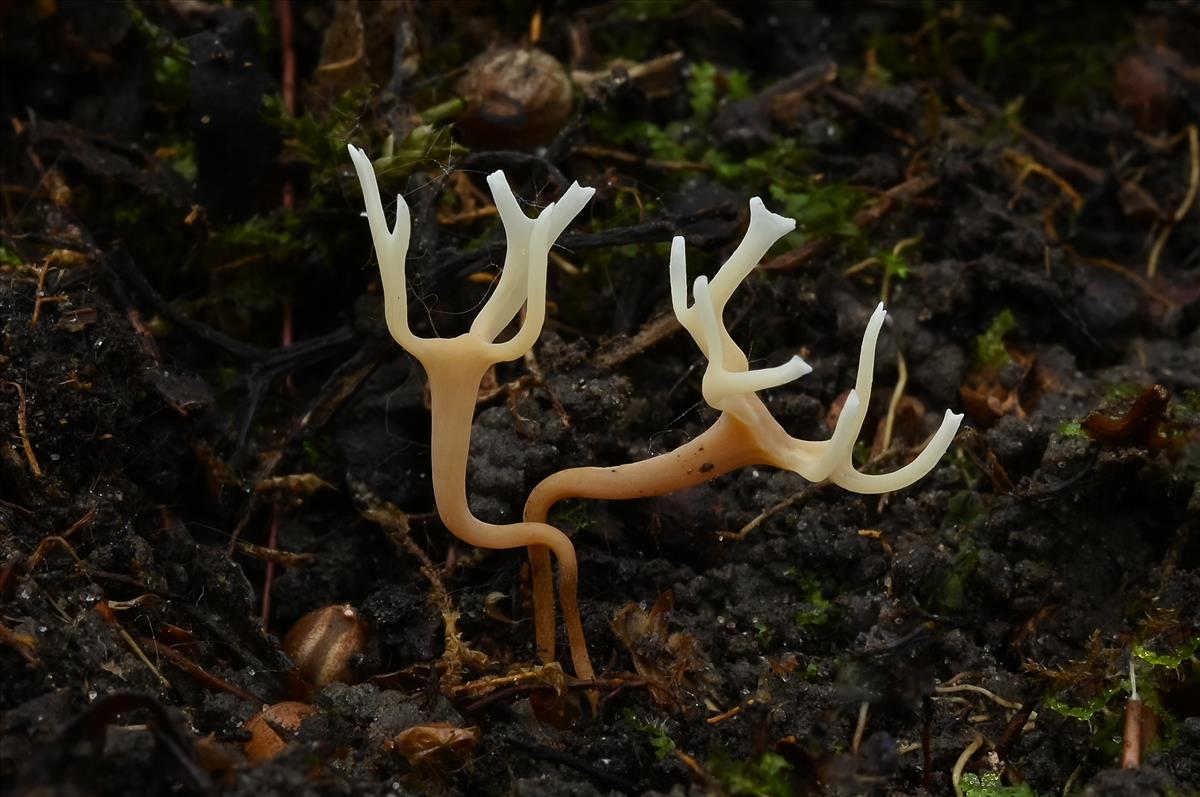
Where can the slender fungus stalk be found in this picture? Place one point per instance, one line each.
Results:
(455, 367)
(745, 433)
(1131, 740)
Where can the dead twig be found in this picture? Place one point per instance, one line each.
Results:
(772, 511)
(23, 430)
(110, 619)
(620, 156)
(39, 552)
(654, 331)
(205, 678)
(1193, 136)
(1142, 282)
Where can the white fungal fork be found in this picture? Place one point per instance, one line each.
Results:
(522, 282)
(391, 247)
(837, 461)
(721, 384)
(729, 384)
(764, 230)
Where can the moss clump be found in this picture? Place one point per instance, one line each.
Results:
(988, 785)
(769, 776)
(660, 740)
(990, 351)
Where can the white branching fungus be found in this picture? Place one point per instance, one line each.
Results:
(729, 384)
(455, 367)
(744, 434)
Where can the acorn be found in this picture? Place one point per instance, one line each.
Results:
(323, 644)
(517, 98)
(265, 741)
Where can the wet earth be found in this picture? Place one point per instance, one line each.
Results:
(208, 433)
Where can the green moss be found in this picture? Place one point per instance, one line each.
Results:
(763, 633)
(769, 776)
(633, 41)
(682, 139)
(321, 141)
(816, 608)
(821, 210)
(990, 350)
(965, 509)
(9, 258)
(1122, 392)
(947, 590)
(988, 785)
(1087, 711)
(661, 742)
(571, 515)
(1073, 429)
(171, 62)
(1171, 660)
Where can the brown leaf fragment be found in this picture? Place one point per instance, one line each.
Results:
(437, 744)
(670, 660)
(299, 483)
(217, 472)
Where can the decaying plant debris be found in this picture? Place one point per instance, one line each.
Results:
(208, 434)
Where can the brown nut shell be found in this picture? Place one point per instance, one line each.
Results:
(517, 97)
(322, 644)
(265, 741)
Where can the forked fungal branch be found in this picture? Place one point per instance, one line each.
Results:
(455, 367)
(745, 433)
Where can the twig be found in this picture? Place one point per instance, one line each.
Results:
(23, 430)
(87, 518)
(1016, 725)
(654, 331)
(1126, 272)
(620, 156)
(24, 644)
(1193, 136)
(206, 679)
(725, 715)
(897, 394)
(105, 612)
(39, 552)
(864, 709)
(979, 690)
(773, 510)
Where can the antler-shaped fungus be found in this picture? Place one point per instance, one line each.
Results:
(455, 367)
(745, 433)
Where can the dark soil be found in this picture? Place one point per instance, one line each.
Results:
(207, 432)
